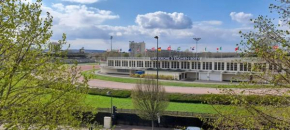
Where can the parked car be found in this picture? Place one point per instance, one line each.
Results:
(192, 128)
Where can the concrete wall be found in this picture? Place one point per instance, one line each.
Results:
(112, 71)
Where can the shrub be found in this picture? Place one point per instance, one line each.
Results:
(198, 98)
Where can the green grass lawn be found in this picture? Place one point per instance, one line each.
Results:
(126, 103)
(171, 83)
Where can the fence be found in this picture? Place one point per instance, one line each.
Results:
(167, 113)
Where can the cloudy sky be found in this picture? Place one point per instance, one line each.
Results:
(90, 23)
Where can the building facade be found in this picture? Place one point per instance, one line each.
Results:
(185, 68)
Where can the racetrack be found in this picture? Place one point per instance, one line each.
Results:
(96, 83)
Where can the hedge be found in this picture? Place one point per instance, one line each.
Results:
(200, 98)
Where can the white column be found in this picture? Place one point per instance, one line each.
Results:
(238, 67)
(160, 64)
(225, 67)
(114, 63)
(201, 65)
(179, 62)
(144, 63)
(170, 64)
(212, 65)
(128, 63)
(190, 65)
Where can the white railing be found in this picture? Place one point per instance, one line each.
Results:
(128, 58)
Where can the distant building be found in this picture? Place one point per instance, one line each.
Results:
(53, 46)
(82, 50)
(137, 48)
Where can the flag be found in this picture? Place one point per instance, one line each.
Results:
(159, 48)
(237, 48)
(217, 49)
(169, 48)
(108, 50)
(178, 49)
(220, 48)
(192, 48)
(138, 49)
(129, 50)
(120, 49)
(153, 48)
(145, 50)
(275, 47)
(205, 49)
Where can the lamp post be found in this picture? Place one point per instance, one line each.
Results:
(196, 40)
(109, 94)
(156, 37)
(111, 42)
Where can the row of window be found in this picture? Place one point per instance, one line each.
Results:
(230, 66)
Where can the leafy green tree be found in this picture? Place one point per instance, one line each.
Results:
(36, 89)
(268, 42)
(149, 99)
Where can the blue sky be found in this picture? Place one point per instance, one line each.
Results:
(90, 23)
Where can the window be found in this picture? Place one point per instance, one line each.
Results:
(110, 63)
(207, 65)
(124, 63)
(232, 66)
(139, 63)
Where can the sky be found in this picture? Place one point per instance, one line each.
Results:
(90, 23)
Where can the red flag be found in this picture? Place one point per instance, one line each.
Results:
(237, 48)
(275, 47)
(169, 48)
(217, 49)
(153, 49)
(145, 50)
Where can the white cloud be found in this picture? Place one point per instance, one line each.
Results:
(83, 1)
(241, 17)
(27, 1)
(78, 15)
(164, 20)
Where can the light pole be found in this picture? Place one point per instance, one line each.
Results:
(156, 37)
(111, 42)
(109, 94)
(196, 40)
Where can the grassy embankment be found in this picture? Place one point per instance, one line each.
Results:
(126, 103)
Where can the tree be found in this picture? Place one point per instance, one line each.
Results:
(149, 99)
(36, 89)
(270, 43)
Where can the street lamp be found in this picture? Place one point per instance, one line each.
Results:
(196, 40)
(156, 37)
(109, 94)
(111, 42)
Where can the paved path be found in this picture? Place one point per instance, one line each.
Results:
(96, 83)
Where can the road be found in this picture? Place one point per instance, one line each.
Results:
(95, 83)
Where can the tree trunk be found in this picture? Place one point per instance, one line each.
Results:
(152, 124)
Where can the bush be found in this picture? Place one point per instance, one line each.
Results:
(114, 93)
(198, 98)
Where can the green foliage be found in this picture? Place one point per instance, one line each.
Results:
(149, 99)
(36, 89)
(268, 44)
(220, 99)
(114, 93)
(126, 55)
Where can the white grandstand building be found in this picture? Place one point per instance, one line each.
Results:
(185, 68)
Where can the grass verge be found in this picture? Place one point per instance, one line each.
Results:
(126, 103)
